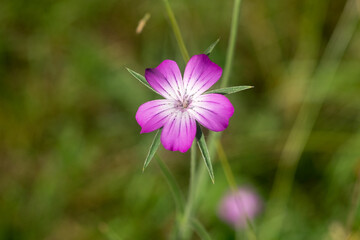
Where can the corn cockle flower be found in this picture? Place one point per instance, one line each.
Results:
(185, 102)
(238, 207)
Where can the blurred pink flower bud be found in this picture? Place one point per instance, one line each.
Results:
(237, 207)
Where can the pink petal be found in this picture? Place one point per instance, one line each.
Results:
(179, 132)
(200, 74)
(152, 115)
(213, 111)
(166, 79)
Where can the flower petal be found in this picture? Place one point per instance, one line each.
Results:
(179, 132)
(200, 74)
(166, 79)
(152, 115)
(213, 111)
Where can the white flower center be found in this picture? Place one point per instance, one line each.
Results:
(184, 103)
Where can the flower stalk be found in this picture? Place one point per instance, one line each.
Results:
(184, 225)
(195, 183)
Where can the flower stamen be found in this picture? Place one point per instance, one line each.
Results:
(185, 103)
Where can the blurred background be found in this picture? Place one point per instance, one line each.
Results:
(71, 154)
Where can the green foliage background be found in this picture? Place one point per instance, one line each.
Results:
(71, 155)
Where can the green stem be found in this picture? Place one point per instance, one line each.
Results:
(190, 202)
(177, 32)
(305, 121)
(232, 42)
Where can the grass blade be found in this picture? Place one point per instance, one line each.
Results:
(211, 47)
(204, 151)
(141, 79)
(200, 230)
(230, 90)
(153, 148)
(174, 187)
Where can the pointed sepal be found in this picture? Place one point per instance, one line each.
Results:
(211, 47)
(230, 90)
(153, 148)
(204, 151)
(141, 79)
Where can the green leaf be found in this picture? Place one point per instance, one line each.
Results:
(230, 90)
(211, 47)
(141, 79)
(204, 151)
(153, 148)
(174, 187)
(200, 229)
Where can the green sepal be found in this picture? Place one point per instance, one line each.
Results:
(141, 79)
(229, 90)
(204, 151)
(211, 47)
(153, 148)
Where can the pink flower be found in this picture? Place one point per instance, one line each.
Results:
(184, 102)
(237, 207)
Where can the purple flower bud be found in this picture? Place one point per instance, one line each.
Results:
(237, 207)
